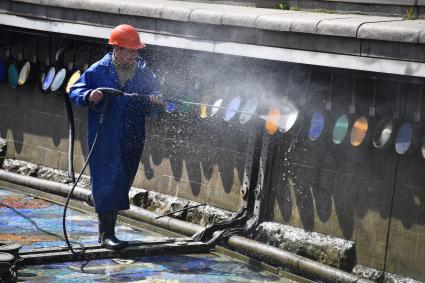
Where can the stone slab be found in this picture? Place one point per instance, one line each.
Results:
(355, 26)
(151, 10)
(282, 22)
(308, 22)
(349, 26)
(245, 17)
(399, 31)
(385, 2)
(206, 16)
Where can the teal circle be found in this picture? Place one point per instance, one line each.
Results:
(13, 75)
(340, 129)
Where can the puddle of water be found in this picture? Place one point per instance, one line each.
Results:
(170, 268)
(206, 267)
(48, 216)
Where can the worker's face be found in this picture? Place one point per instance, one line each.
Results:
(125, 55)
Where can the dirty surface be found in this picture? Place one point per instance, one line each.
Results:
(83, 227)
(150, 200)
(328, 250)
(380, 276)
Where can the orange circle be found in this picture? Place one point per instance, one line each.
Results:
(359, 130)
(272, 120)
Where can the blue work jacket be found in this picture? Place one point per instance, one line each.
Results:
(119, 145)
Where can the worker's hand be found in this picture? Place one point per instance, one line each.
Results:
(95, 96)
(156, 99)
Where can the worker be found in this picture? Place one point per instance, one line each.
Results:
(120, 141)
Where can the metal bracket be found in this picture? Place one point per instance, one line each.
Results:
(248, 169)
(258, 192)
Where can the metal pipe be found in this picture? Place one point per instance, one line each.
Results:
(45, 185)
(254, 249)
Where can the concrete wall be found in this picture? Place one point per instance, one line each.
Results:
(319, 186)
(338, 190)
(184, 156)
(348, 192)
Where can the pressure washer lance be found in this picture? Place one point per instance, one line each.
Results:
(179, 210)
(108, 93)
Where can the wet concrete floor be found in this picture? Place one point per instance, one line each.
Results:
(82, 227)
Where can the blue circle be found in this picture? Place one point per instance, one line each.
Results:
(403, 140)
(170, 107)
(2, 71)
(316, 126)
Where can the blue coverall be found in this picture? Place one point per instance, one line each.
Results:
(119, 146)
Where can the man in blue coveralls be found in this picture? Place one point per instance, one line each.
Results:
(119, 145)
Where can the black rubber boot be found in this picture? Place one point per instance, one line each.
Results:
(107, 232)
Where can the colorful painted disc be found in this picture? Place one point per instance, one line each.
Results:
(383, 134)
(316, 126)
(272, 120)
(12, 75)
(232, 108)
(170, 107)
(74, 77)
(58, 80)
(288, 117)
(404, 138)
(184, 107)
(359, 130)
(216, 106)
(203, 110)
(249, 109)
(24, 73)
(340, 129)
(48, 79)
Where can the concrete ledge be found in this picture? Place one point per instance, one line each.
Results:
(268, 19)
(286, 47)
(351, 26)
(290, 36)
(401, 31)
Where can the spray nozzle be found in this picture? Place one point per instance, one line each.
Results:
(115, 92)
(110, 91)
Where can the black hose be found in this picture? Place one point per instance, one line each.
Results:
(71, 135)
(102, 115)
(179, 210)
(108, 93)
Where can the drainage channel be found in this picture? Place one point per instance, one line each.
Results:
(182, 262)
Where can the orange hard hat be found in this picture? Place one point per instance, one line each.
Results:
(126, 36)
